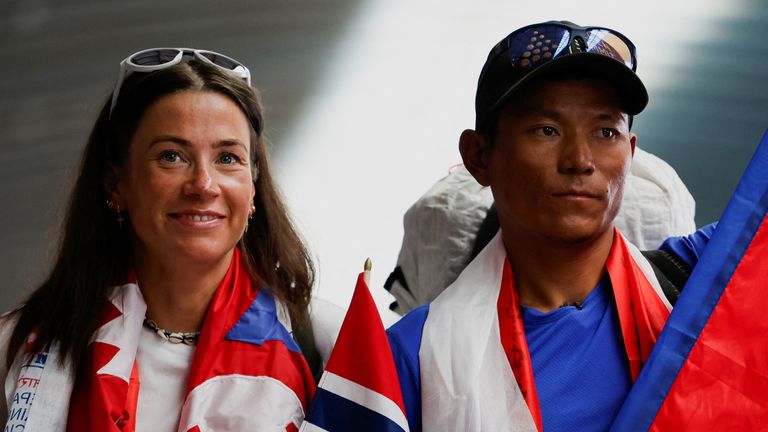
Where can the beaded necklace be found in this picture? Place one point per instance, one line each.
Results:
(188, 338)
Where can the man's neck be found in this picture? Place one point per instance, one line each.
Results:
(549, 274)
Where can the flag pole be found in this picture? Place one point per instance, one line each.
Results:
(367, 271)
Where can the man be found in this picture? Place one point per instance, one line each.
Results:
(549, 325)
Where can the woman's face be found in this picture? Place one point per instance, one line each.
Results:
(187, 184)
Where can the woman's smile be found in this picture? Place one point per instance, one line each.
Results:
(198, 218)
(188, 187)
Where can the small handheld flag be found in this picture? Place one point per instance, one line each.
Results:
(360, 389)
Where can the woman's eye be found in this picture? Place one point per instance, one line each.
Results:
(229, 159)
(170, 157)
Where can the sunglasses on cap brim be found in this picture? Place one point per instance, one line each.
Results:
(533, 45)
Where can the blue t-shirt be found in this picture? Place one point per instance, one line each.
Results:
(579, 361)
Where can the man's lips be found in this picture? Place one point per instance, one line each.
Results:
(577, 193)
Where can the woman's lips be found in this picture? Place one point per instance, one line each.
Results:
(198, 219)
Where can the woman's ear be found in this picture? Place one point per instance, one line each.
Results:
(474, 148)
(111, 186)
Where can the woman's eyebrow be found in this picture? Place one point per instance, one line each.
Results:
(232, 142)
(172, 138)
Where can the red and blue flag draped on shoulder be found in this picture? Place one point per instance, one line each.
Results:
(360, 389)
(247, 373)
(709, 368)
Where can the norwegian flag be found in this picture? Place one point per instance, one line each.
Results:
(359, 389)
(709, 368)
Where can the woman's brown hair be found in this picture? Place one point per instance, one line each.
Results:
(95, 251)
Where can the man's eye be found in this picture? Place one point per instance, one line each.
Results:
(608, 132)
(548, 130)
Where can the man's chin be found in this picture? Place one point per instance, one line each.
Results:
(580, 234)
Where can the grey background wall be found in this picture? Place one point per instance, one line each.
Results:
(708, 84)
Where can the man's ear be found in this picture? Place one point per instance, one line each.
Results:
(633, 142)
(111, 186)
(474, 148)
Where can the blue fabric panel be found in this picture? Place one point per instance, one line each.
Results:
(259, 324)
(337, 414)
(689, 248)
(405, 340)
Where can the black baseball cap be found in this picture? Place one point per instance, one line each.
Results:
(557, 49)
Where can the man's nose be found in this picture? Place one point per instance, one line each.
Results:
(576, 156)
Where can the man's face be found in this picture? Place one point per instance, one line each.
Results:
(557, 167)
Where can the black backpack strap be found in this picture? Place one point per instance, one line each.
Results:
(397, 275)
(305, 339)
(488, 228)
(671, 272)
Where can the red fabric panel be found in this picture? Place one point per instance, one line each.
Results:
(362, 347)
(642, 314)
(724, 383)
(216, 356)
(515, 345)
(98, 402)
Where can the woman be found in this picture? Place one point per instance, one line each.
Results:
(175, 232)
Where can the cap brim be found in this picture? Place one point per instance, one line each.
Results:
(628, 85)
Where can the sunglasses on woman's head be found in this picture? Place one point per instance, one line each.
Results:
(155, 59)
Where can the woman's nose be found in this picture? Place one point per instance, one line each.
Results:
(201, 183)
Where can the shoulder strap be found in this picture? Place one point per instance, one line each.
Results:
(671, 272)
(305, 339)
(397, 275)
(488, 229)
